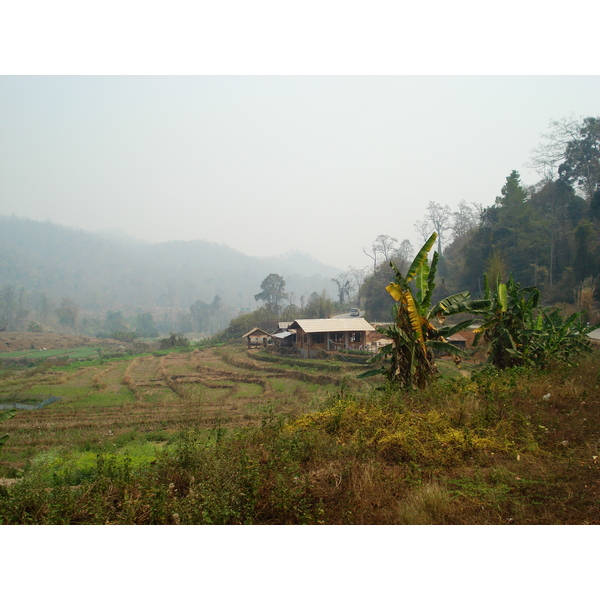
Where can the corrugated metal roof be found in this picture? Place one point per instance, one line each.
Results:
(324, 325)
(282, 335)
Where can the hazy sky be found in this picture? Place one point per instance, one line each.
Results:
(321, 164)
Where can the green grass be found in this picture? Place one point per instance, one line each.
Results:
(75, 467)
(76, 353)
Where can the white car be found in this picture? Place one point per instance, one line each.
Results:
(354, 312)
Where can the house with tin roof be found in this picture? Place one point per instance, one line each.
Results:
(313, 335)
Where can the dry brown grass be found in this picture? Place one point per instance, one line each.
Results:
(143, 395)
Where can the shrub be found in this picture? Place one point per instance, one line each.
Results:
(175, 340)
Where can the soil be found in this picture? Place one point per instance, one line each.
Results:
(12, 341)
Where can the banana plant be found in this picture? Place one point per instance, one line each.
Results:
(409, 360)
(521, 333)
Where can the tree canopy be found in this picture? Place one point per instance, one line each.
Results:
(273, 292)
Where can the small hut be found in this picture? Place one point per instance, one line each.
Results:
(257, 338)
(458, 340)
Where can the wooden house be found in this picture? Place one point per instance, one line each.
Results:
(313, 335)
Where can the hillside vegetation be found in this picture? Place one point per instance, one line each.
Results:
(224, 435)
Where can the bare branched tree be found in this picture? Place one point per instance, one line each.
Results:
(464, 219)
(572, 150)
(344, 285)
(372, 254)
(424, 229)
(547, 156)
(403, 254)
(386, 245)
(439, 219)
(359, 276)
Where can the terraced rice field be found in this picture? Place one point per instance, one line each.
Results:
(153, 397)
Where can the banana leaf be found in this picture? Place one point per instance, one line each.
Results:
(415, 320)
(423, 252)
(394, 290)
(451, 330)
(8, 414)
(371, 373)
(430, 283)
(446, 347)
(422, 279)
(502, 297)
(451, 305)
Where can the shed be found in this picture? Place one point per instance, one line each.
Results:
(285, 339)
(257, 337)
(458, 340)
(282, 326)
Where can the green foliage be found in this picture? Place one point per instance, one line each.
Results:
(587, 245)
(521, 333)
(124, 336)
(115, 322)
(413, 333)
(174, 341)
(263, 318)
(273, 292)
(538, 234)
(377, 302)
(35, 327)
(67, 312)
(582, 157)
(5, 416)
(145, 326)
(319, 306)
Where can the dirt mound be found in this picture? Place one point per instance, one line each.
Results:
(12, 341)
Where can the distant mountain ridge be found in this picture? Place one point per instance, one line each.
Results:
(99, 271)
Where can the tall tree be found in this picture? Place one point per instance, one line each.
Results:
(115, 321)
(464, 219)
(273, 292)
(403, 254)
(440, 218)
(424, 228)
(386, 245)
(67, 312)
(359, 276)
(344, 285)
(586, 250)
(382, 248)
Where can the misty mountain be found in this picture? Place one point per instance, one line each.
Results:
(110, 271)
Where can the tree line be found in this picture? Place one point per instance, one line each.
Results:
(546, 235)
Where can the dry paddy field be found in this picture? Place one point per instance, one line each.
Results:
(150, 398)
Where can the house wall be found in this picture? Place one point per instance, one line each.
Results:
(327, 340)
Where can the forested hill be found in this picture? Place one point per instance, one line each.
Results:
(547, 236)
(105, 273)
